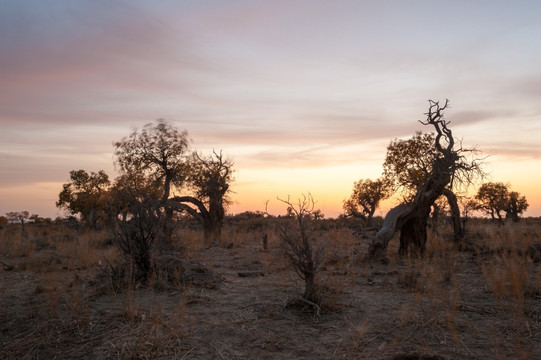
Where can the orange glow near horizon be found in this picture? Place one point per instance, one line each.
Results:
(328, 186)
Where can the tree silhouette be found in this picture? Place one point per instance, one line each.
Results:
(86, 195)
(447, 166)
(408, 163)
(494, 198)
(159, 152)
(516, 205)
(209, 178)
(366, 197)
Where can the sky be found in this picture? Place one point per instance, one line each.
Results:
(303, 95)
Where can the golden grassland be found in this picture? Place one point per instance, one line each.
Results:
(234, 300)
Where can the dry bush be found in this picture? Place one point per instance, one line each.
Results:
(54, 239)
(188, 242)
(233, 237)
(151, 332)
(504, 258)
(435, 290)
(76, 306)
(273, 261)
(300, 247)
(13, 244)
(442, 257)
(506, 276)
(80, 253)
(169, 271)
(514, 236)
(339, 271)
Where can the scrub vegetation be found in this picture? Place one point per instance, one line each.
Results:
(63, 296)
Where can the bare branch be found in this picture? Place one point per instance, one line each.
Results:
(434, 117)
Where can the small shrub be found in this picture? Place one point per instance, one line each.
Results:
(298, 245)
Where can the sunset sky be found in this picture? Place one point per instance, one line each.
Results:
(304, 95)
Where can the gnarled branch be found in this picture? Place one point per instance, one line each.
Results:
(179, 204)
(434, 117)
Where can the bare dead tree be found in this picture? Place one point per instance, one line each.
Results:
(298, 245)
(449, 166)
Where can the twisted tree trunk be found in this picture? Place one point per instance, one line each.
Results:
(458, 226)
(211, 220)
(411, 218)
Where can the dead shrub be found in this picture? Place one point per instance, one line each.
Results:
(299, 246)
(506, 276)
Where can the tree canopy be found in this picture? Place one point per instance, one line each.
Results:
(495, 199)
(86, 195)
(516, 205)
(159, 151)
(366, 197)
(408, 163)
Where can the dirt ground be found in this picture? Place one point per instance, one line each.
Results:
(449, 305)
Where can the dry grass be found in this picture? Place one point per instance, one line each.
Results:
(189, 242)
(483, 302)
